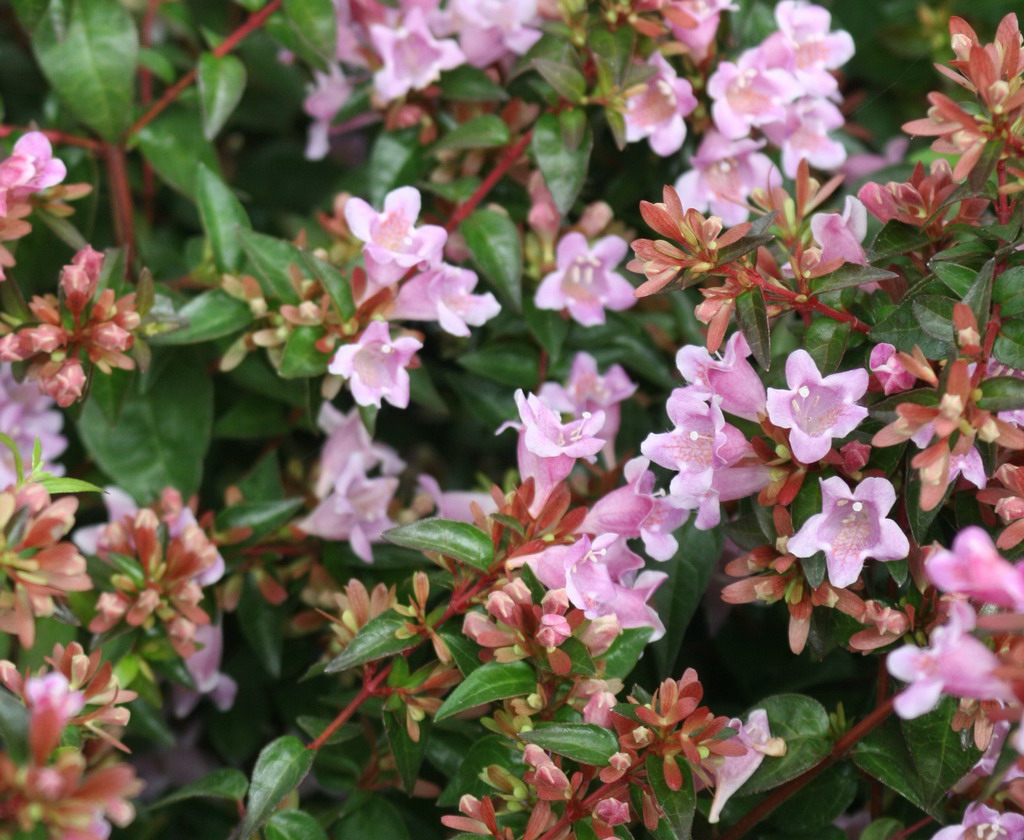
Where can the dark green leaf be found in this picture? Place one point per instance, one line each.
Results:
(979, 295)
(281, 765)
(935, 315)
(567, 81)
(302, 358)
(826, 340)
(89, 59)
(162, 434)
(752, 317)
(903, 330)
(897, 238)
(293, 825)
(408, 754)
(490, 682)
(262, 517)
(515, 364)
(460, 540)
(819, 803)
(226, 783)
(222, 215)
(612, 50)
(483, 132)
(957, 277)
(1008, 292)
(847, 275)
(212, 314)
(549, 327)
(488, 750)
(1009, 344)
(814, 568)
(30, 12)
(262, 625)
(493, 240)
(470, 84)
(678, 805)
(622, 656)
(374, 819)
(271, 259)
(1002, 393)
(316, 24)
(586, 743)
(337, 286)
(173, 144)
(14, 720)
(464, 650)
(221, 85)
(563, 165)
(396, 159)
(375, 640)
(882, 829)
(754, 239)
(802, 723)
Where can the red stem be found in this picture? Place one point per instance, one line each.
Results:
(510, 156)
(804, 303)
(254, 22)
(908, 831)
(841, 747)
(58, 137)
(121, 200)
(365, 693)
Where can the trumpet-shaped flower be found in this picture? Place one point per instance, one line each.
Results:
(973, 567)
(734, 770)
(443, 294)
(802, 134)
(816, 409)
(852, 527)
(489, 30)
(657, 111)
(585, 281)
(411, 56)
(730, 377)
(804, 46)
(749, 94)
(956, 663)
(984, 822)
(375, 366)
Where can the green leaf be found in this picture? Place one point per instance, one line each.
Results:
(226, 783)
(883, 829)
(173, 144)
(30, 12)
(550, 328)
(563, 164)
(470, 84)
(488, 750)
(611, 51)
(819, 803)
(512, 363)
(14, 719)
(494, 242)
(826, 340)
(271, 258)
(262, 517)
(958, 277)
(162, 434)
(293, 825)
(397, 158)
(464, 650)
(1008, 292)
(897, 238)
(483, 132)
(337, 286)
(586, 743)
(408, 754)
(567, 81)
(802, 723)
(1002, 393)
(221, 85)
(212, 314)
(374, 819)
(1009, 344)
(89, 60)
(60, 484)
(490, 682)
(621, 658)
(262, 625)
(676, 600)
(847, 275)
(222, 215)
(459, 540)
(903, 329)
(755, 237)
(375, 640)
(302, 358)
(281, 765)
(316, 24)
(678, 805)
(934, 313)
(752, 318)
(979, 295)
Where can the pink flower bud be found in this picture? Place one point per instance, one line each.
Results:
(891, 373)
(110, 336)
(66, 385)
(855, 455)
(555, 601)
(535, 756)
(503, 608)
(554, 630)
(52, 704)
(43, 339)
(600, 633)
(612, 811)
(78, 287)
(599, 708)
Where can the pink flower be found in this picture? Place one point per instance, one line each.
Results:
(802, 134)
(442, 294)
(970, 466)
(657, 112)
(488, 30)
(589, 391)
(886, 365)
(729, 377)
(982, 821)
(585, 281)
(66, 385)
(956, 663)
(974, 568)
(548, 437)
(861, 165)
(30, 168)
(749, 94)
(393, 243)
(375, 366)
(612, 811)
(204, 667)
(851, 527)
(840, 234)
(554, 629)
(706, 14)
(412, 57)
(805, 47)
(347, 438)
(723, 174)
(734, 770)
(356, 510)
(816, 409)
(331, 90)
(455, 504)
(25, 416)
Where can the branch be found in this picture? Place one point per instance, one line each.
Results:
(841, 747)
(58, 137)
(365, 693)
(802, 302)
(510, 156)
(254, 22)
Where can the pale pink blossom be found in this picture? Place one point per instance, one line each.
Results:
(489, 30)
(26, 416)
(803, 134)
(455, 504)
(411, 56)
(730, 377)
(734, 770)
(657, 112)
(347, 438)
(375, 366)
(706, 15)
(851, 527)
(443, 294)
(585, 281)
(814, 408)
(749, 94)
(982, 821)
(30, 168)
(204, 668)
(891, 372)
(805, 47)
(393, 243)
(330, 92)
(723, 173)
(973, 567)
